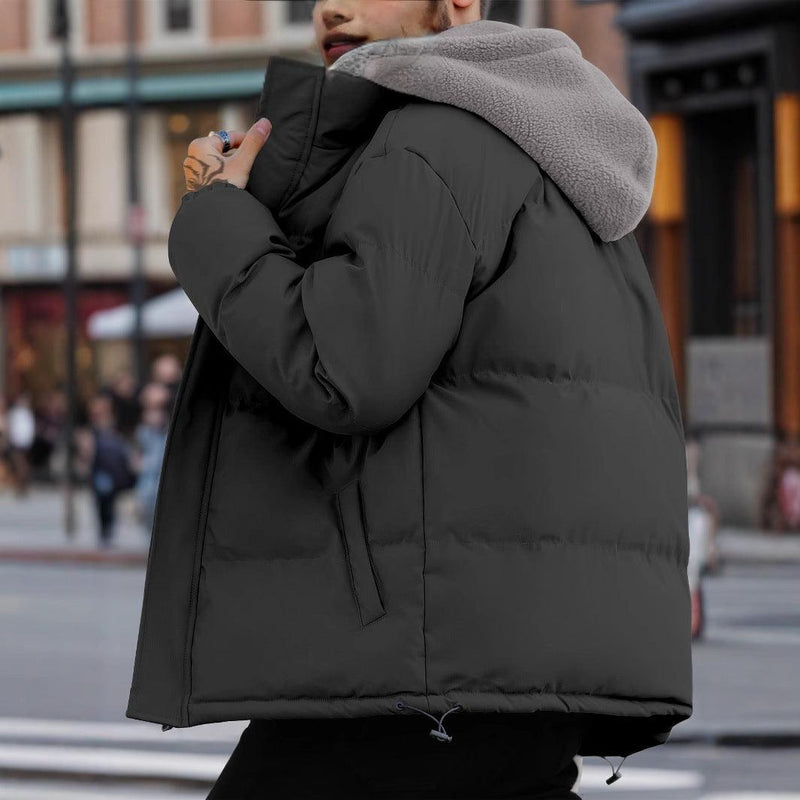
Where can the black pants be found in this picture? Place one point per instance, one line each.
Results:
(105, 503)
(519, 756)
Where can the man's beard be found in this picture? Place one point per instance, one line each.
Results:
(439, 16)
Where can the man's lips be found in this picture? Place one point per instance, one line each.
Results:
(336, 49)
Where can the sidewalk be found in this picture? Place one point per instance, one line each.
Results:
(32, 529)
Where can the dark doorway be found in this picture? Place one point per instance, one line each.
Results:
(725, 269)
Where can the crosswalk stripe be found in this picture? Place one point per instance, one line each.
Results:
(638, 778)
(66, 730)
(111, 761)
(38, 791)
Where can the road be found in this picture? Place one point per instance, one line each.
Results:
(69, 634)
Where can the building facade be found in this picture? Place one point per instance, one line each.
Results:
(200, 67)
(720, 84)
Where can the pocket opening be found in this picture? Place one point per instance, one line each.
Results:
(363, 579)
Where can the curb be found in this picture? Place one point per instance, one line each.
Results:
(72, 555)
(739, 546)
(736, 556)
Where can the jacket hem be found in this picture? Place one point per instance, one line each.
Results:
(620, 726)
(132, 712)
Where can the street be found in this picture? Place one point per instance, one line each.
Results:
(70, 633)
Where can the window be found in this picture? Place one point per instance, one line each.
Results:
(727, 281)
(178, 15)
(299, 12)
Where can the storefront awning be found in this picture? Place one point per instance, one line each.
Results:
(114, 90)
(170, 315)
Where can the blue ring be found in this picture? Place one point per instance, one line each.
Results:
(226, 140)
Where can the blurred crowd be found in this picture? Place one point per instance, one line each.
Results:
(118, 443)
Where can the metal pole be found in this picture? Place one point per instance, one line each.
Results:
(70, 280)
(135, 210)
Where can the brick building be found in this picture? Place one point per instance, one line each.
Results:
(201, 66)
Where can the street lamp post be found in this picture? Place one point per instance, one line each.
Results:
(70, 282)
(135, 210)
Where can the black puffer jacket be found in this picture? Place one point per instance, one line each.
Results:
(427, 449)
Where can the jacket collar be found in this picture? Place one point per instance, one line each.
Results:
(321, 121)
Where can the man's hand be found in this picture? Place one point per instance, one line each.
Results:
(206, 162)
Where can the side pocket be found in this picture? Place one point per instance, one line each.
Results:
(350, 508)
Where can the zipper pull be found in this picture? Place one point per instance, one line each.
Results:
(166, 727)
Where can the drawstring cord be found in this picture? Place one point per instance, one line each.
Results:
(438, 732)
(615, 773)
(441, 735)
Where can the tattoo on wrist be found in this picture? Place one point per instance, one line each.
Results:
(203, 173)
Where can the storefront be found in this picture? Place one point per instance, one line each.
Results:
(720, 85)
(35, 332)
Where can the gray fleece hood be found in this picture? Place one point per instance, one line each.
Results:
(534, 85)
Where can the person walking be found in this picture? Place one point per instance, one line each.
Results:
(124, 397)
(150, 437)
(110, 470)
(423, 506)
(21, 423)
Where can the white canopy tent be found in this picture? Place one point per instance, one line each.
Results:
(169, 315)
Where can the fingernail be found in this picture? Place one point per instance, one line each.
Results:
(262, 125)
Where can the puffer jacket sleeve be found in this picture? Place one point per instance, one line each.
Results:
(349, 342)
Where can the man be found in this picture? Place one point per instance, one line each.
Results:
(423, 511)
(110, 470)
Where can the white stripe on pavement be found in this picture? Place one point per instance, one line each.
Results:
(77, 730)
(44, 791)
(752, 796)
(637, 778)
(111, 761)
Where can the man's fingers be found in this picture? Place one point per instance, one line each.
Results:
(206, 159)
(252, 142)
(202, 143)
(236, 137)
(246, 143)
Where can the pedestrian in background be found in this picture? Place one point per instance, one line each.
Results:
(21, 435)
(50, 432)
(167, 370)
(122, 391)
(150, 437)
(111, 469)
